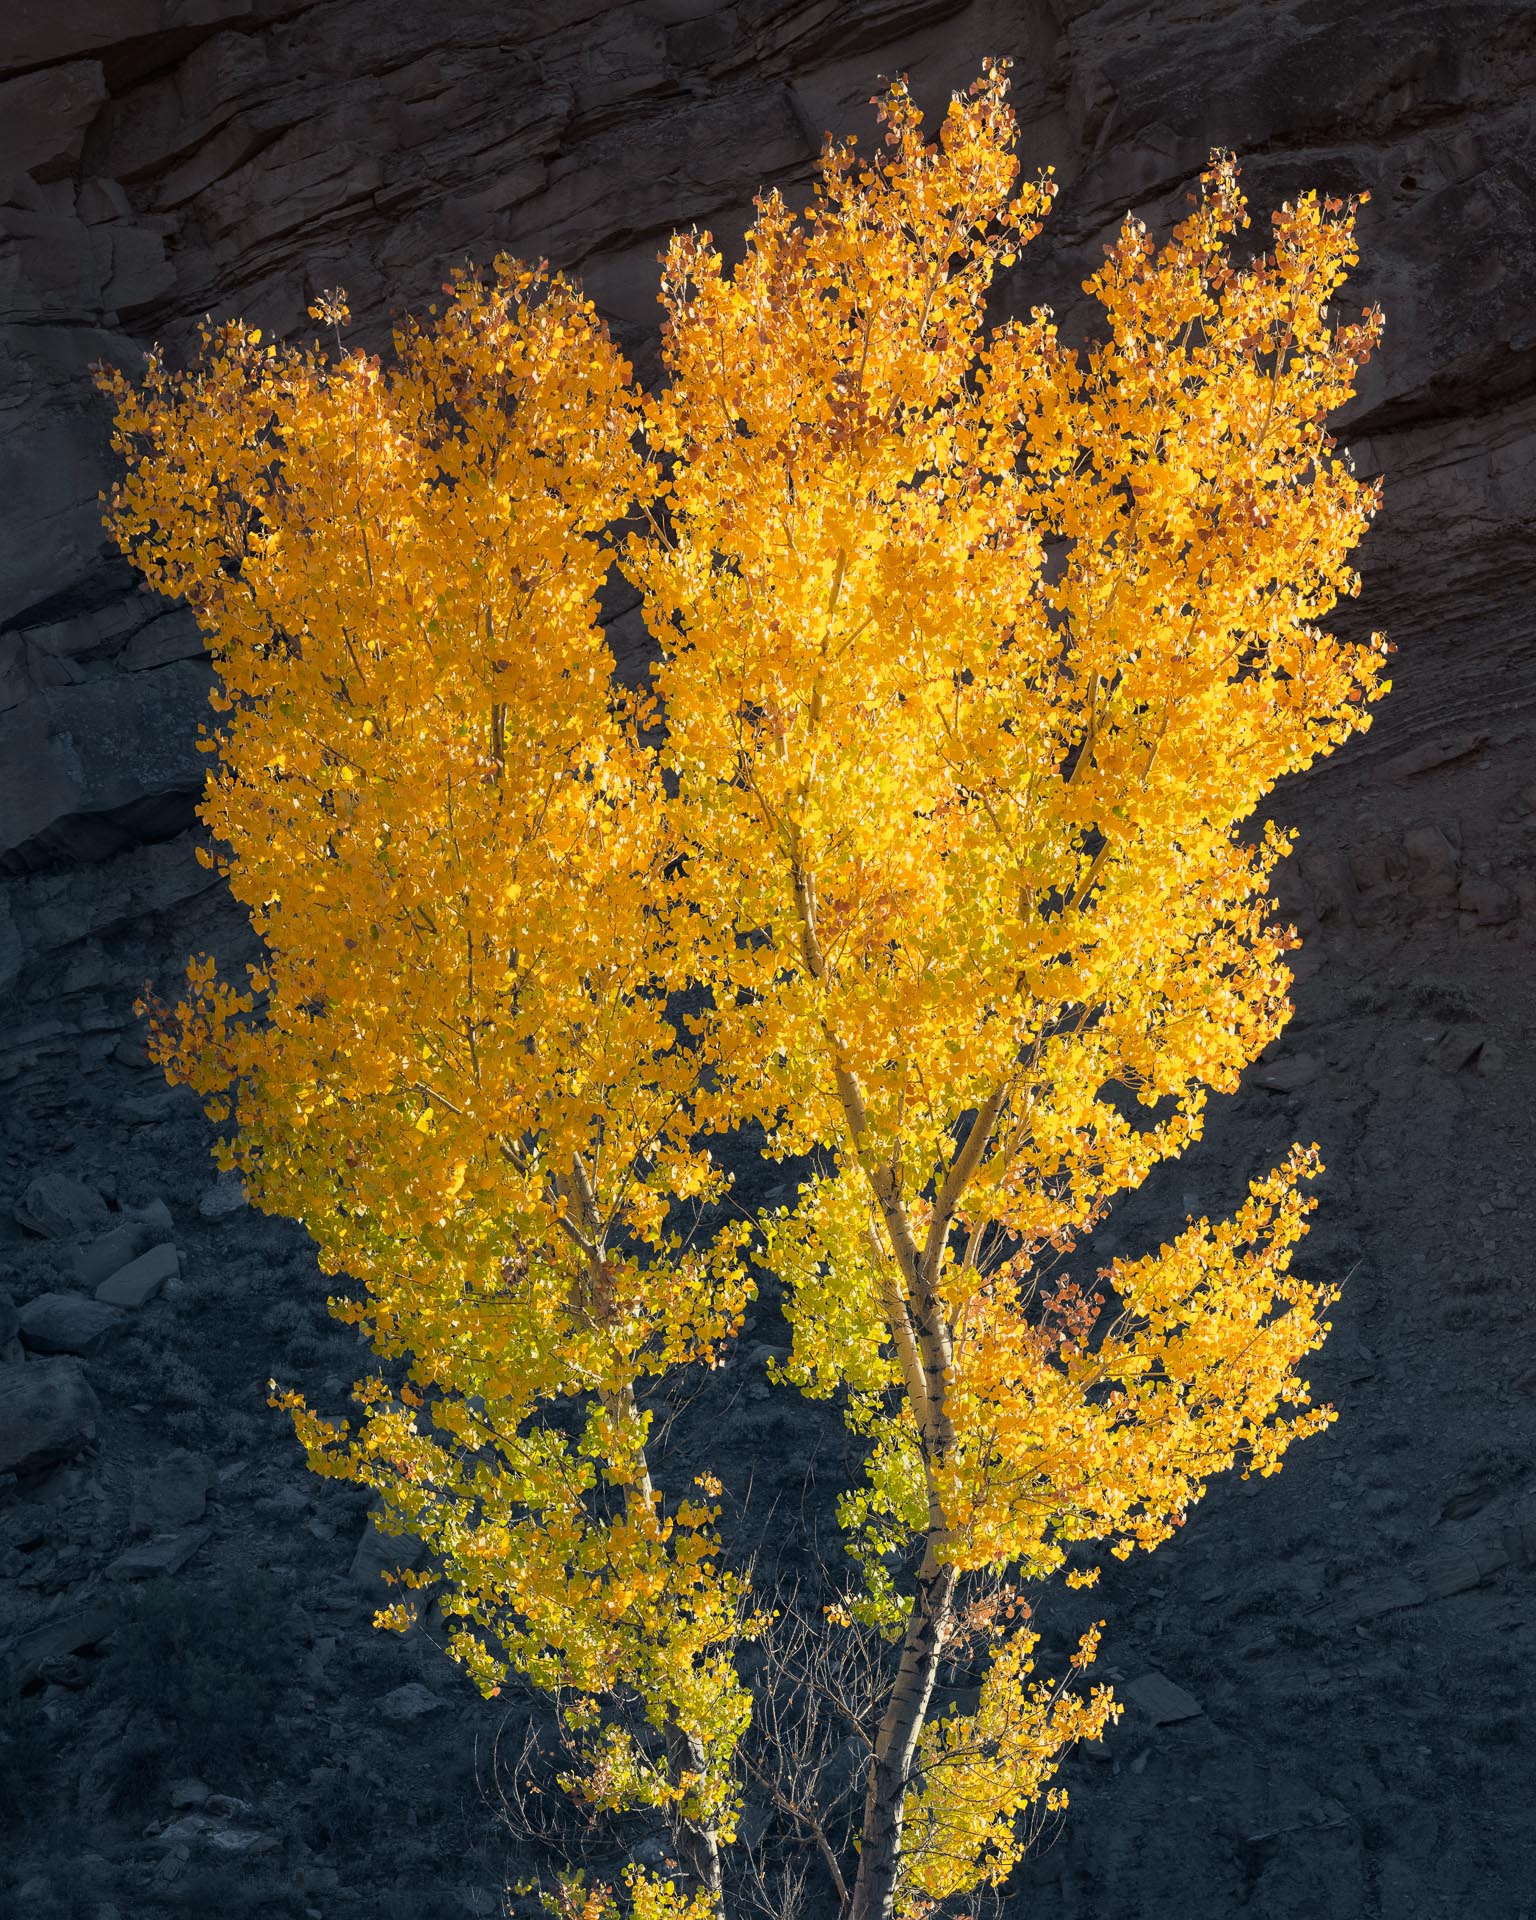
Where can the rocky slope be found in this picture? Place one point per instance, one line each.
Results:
(199, 1720)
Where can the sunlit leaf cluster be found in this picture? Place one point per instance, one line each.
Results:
(978, 652)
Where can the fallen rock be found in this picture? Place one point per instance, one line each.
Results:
(210, 1834)
(131, 1050)
(159, 1558)
(1289, 1074)
(1522, 806)
(57, 1640)
(1384, 1596)
(657, 1853)
(1460, 1573)
(141, 1279)
(413, 1701)
(1457, 1049)
(156, 1220)
(59, 1208)
(1485, 902)
(377, 1551)
(1431, 754)
(107, 1253)
(67, 1323)
(47, 1414)
(225, 1196)
(145, 1109)
(188, 1793)
(1431, 861)
(172, 1493)
(1160, 1701)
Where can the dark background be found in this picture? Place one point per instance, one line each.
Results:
(1358, 1633)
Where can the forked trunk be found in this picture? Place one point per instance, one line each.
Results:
(874, 1891)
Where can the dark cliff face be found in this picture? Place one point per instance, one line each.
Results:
(1353, 1630)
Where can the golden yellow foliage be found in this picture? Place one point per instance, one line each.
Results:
(978, 652)
(464, 1079)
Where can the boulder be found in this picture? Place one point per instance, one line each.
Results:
(1485, 902)
(57, 1640)
(1288, 1074)
(47, 1414)
(413, 1701)
(1163, 1703)
(159, 1558)
(141, 1279)
(224, 1197)
(1432, 861)
(172, 1493)
(155, 1219)
(377, 1551)
(108, 1252)
(67, 1323)
(60, 1208)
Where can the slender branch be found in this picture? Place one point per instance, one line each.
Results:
(961, 1172)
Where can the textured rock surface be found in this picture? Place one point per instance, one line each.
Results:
(67, 1323)
(1357, 1633)
(48, 1413)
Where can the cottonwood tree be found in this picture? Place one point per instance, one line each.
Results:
(464, 1078)
(978, 653)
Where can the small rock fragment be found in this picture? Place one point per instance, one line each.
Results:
(154, 1219)
(131, 1050)
(1163, 1703)
(141, 1279)
(1456, 1574)
(207, 1833)
(159, 1558)
(172, 1493)
(225, 1196)
(1289, 1074)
